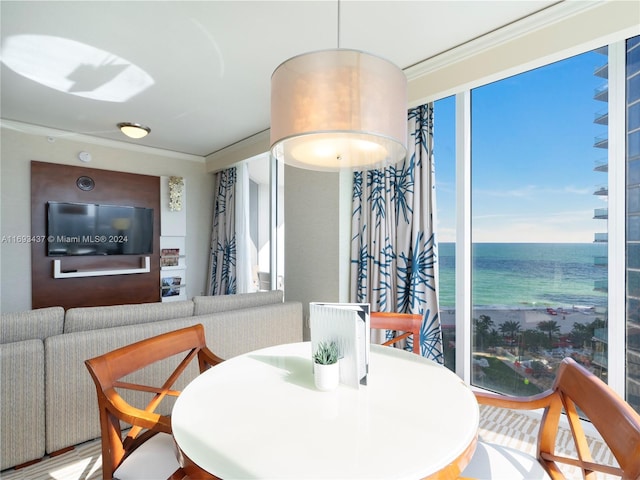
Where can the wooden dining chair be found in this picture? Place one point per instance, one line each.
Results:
(147, 449)
(574, 390)
(403, 325)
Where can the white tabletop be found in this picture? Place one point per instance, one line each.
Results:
(259, 415)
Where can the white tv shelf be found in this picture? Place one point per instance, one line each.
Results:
(59, 273)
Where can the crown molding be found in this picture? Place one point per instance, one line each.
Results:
(249, 147)
(537, 21)
(560, 31)
(54, 134)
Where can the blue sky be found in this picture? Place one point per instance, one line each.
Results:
(533, 157)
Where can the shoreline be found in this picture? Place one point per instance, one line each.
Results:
(529, 317)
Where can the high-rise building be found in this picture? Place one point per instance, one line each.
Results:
(633, 220)
(601, 142)
(632, 216)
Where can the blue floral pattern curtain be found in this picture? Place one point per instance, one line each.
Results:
(222, 265)
(393, 246)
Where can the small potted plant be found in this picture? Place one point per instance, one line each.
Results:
(326, 369)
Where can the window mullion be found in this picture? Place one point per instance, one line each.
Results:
(274, 246)
(616, 218)
(463, 325)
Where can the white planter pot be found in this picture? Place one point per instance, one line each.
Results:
(326, 377)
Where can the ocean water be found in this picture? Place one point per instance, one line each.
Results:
(528, 274)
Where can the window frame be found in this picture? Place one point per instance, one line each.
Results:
(616, 222)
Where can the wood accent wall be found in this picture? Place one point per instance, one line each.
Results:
(54, 182)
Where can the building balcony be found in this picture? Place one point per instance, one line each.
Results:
(602, 71)
(601, 237)
(601, 213)
(601, 165)
(601, 93)
(633, 364)
(601, 285)
(601, 360)
(604, 50)
(601, 142)
(633, 377)
(633, 338)
(601, 261)
(633, 199)
(633, 391)
(601, 118)
(600, 335)
(601, 190)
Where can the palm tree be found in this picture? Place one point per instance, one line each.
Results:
(581, 334)
(481, 327)
(550, 326)
(493, 338)
(532, 339)
(510, 328)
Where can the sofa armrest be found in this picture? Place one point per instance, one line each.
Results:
(22, 402)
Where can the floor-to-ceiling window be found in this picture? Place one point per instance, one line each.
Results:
(539, 222)
(538, 282)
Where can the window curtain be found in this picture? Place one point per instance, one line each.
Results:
(222, 262)
(393, 246)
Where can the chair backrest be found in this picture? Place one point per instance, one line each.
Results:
(408, 323)
(114, 390)
(580, 392)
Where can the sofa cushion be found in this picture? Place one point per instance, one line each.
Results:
(33, 324)
(93, 318)
(236, 332)
(223, 303)
(22, 398)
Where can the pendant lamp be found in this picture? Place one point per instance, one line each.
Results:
(338, 109)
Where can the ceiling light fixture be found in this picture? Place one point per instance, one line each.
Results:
(134, 130)
(338, 109)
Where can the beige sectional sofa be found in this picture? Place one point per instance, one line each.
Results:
(47, 399)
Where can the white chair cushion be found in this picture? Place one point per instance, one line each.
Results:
(495, 462)
(154, 459)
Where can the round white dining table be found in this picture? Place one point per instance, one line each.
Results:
(259, 415)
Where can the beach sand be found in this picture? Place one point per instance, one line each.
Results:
(528, 317)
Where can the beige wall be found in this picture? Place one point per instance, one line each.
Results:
(312, 239)
(17, 149)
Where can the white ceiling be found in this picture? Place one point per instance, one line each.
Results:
(198, 73)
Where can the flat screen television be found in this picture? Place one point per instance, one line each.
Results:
(92, 229)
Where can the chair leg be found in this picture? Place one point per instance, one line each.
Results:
(178, 475)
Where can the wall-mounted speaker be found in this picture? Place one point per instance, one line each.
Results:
(85, 183)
